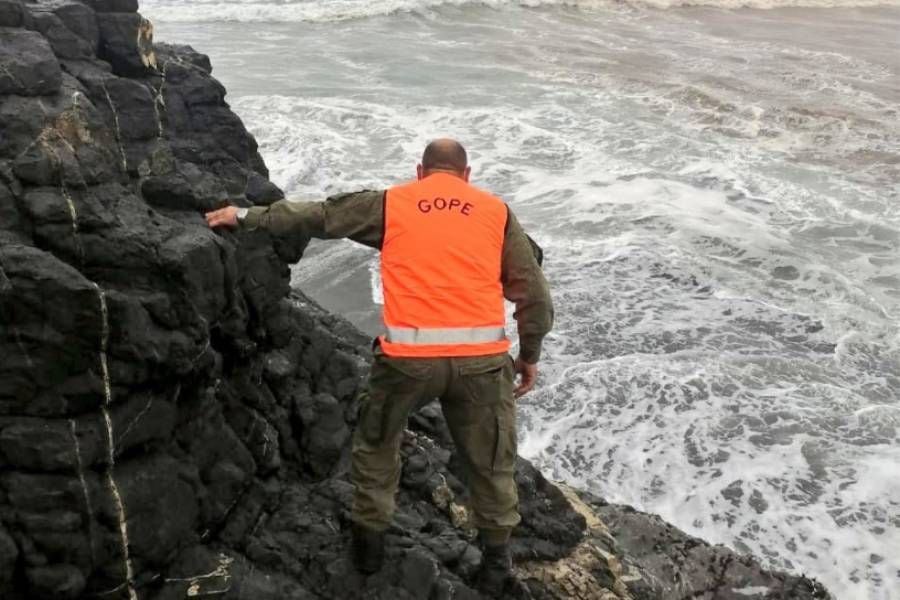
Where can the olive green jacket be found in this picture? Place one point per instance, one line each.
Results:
(360, 217)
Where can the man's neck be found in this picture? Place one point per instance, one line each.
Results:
(456, 174)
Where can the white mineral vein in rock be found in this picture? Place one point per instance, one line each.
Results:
(110, 479)
(115, 113)
(84, 489)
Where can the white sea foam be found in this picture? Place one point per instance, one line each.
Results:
(751, 591)
(201, 11)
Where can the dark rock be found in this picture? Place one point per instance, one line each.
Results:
(42, 492)
(81, 20)
(191, 84)
(39, 166)
(142, 419)
(188, 188)
(9, 554)
(734, 492)
(49, 521)
(46, 205)
(326, 431)
(92, 75)
(788, 273)
(56, 582)
(12, 13)
(758, 502)
(65, 43)
(160, 504)
(29, 66)
(18, 128)
(196, 259)
(261, 191)
(13, 228)
(134, 109)
(665, 562)
(38, 445)
(46, 344)
(121, 6)
(98, 166)
(550, 528)
(419, 574)
(279, 367)
(185, 54)
(126, 43)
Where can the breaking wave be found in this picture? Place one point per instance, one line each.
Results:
(319, 11)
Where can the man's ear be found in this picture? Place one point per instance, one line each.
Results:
(466, 174)
(420, 172)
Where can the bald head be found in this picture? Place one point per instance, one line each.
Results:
(445, 154)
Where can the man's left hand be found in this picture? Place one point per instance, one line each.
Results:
(224, 217)
(528, 373)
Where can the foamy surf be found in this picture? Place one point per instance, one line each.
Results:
(204, 11)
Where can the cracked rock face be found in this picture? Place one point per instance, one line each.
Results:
(174, 421)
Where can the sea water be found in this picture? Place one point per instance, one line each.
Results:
(716, 185)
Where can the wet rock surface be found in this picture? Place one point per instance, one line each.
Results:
(174, 420)
(659, 561)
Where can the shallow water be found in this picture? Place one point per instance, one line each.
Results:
(718, 195)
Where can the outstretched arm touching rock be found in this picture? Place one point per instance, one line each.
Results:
(357, 216)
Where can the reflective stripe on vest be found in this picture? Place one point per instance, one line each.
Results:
(445, 335)
(440, 269)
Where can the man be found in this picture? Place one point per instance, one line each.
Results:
(450, 253)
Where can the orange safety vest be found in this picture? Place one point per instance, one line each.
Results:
(440, 270)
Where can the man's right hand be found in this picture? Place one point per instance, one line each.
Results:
(529, 374)
(224, 217)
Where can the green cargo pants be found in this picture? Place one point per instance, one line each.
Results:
(476, 395)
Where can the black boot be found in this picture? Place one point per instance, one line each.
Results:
(495, 571)
(368, 549)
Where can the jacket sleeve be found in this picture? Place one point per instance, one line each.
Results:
(524, 284)
(357, 216)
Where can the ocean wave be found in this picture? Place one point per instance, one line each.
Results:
(321, 11)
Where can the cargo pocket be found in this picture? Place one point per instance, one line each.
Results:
(371, 418)
(484, 379)
(505, 445)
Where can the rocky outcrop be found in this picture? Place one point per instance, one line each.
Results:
(174, 421)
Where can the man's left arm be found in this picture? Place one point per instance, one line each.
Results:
(524, 284)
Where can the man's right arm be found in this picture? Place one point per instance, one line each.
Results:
(357, 216)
